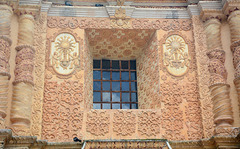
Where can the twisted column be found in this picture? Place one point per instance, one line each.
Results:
(234, 23)
(222, 110)
(5, 43)
(23, 83)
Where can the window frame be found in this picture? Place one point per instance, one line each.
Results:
(120, 70)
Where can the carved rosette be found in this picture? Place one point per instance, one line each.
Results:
(222, 109)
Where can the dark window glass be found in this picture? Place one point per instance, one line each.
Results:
(116, 105)
(133, 75)
(96, 64)
(114, 84)
(133, 86)
(115, 64)
(133, 65)
(125, 75)
(96, 96)
(106, 75)
(125, 97)
(96, 75)
(124, 64)
(105, 64)
(115, 75)
(125, 106)
(125, 86)
(106, 86)
(97, 85)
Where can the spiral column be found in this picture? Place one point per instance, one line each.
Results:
(220, 90)
(5, 44)
(234, 23)
(23, 83)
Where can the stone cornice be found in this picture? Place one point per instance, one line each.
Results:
(101, 12)
(230, 6)
(210, 10)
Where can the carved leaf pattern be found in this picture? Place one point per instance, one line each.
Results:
(203, 76)
(62, 115)
(172, 121)
(124, 123)
(98, 123)
(148, 123)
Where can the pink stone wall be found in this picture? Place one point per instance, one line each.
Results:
(148, 76)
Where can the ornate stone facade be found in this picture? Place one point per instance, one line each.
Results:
(182, 66)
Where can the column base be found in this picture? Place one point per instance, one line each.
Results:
(226, 131)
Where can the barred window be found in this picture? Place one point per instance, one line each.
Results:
(114, 84)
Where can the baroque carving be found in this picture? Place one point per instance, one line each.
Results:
(194, 121)
(24, 64)
(124, 123)
(106, 23)
(149, 123)
(40, 46)
(172, 122)
(148, 84)
(203, 76)
(5, 44)
(98, 123)
(62, 113)
(175, 55)
(120, 19)
(64, 54)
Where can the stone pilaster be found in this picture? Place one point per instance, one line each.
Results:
(23, 83)
(222, 109)
(5, 43)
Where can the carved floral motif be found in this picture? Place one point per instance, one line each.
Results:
(105, 23)
(40, 46)
(98, 123)
(124, 123)
(62, 113)
(172, 121)
(149, 123)
(203, 76)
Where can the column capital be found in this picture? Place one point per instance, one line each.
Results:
(33, 10)
(211, 10)
(230, 6)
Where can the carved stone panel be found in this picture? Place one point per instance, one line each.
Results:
(64, 54)
(175, 55)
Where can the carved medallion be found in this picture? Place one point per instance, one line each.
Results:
(175, 55)
(64, 54)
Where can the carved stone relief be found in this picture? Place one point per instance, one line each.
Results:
(64, 55)
(175, 55)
